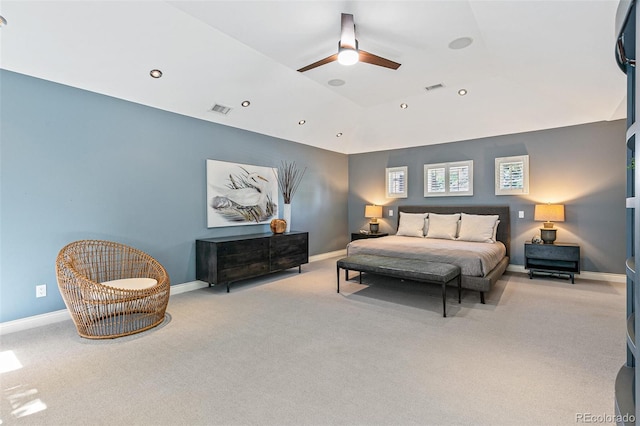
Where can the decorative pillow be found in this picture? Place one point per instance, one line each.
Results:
(411, 224)
(443, 226)
(478, 228)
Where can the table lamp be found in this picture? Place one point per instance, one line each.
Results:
(548, 213)
(373, 212)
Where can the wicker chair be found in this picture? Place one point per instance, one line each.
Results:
(103, 310)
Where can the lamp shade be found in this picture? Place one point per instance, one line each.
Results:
(549, 212)
(373, 211)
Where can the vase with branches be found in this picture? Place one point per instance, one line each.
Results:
(289, 177)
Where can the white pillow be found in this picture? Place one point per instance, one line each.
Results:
(443, 226)
(411, 224)
(478, 228)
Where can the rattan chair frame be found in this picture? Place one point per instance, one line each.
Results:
(103, 312)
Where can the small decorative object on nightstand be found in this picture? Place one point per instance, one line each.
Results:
(548, 213)
(557, 258)
(373, 212)
(362, 236)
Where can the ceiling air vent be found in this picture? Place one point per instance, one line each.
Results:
(221, 109)
(434, 87)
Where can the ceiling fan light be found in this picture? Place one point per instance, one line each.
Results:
(348, 56)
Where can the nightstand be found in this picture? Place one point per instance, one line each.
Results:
(557, 258)
(359, 236)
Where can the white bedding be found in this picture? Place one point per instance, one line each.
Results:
(474, 259)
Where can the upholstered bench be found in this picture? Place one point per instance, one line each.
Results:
(411, 269)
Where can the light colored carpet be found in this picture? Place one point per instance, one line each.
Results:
(288, 350)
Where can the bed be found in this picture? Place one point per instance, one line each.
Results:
(482, 261)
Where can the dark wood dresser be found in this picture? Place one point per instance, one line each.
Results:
(224, 260)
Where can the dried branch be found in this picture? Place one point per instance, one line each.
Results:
(289, 177)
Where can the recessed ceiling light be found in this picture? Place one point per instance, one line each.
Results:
(3, 21)
(336, 82)
(460, 43)
(245, 103)
(301, 122)
(404, 106)
(155, 73)
(462, 92)
(339, 134)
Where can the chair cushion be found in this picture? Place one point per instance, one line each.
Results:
(131, 283)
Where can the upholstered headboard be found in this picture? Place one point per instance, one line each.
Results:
(504, 228)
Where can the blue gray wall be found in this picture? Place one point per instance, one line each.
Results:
(78, 165)
(582, 167)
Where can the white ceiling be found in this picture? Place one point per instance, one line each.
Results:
(532, 64)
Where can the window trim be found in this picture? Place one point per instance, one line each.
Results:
(499, 162)
(447, 174)
(388, 173)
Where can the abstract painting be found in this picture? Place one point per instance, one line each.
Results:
(240, 194)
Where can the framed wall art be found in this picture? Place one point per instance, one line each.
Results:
(240, 194)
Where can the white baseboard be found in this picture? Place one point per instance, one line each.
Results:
(586, 275)
(33, 321)
(63, 315)
(185, 287)
(328, 255)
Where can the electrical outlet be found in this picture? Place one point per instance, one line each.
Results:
(390, 213)
(41, 290)
(520, 214)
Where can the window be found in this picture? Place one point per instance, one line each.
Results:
(512, 175)
(397, 182)
(448, 179)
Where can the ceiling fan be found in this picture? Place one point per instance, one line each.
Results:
(348, 52)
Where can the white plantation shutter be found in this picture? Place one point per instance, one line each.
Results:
(512, 175)
(459, 178)
(396, 182)
(448, 179)
(436, 179)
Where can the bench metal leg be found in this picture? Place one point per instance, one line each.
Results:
(444, 299)
(482, 297)
(338, 280)
(459, 289)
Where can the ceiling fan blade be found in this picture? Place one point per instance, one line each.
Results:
(326, 60)
(370, 58)
(348, 32)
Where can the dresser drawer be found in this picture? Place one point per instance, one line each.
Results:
(246, 257)
(552, 252)
(242, 246)
(289, 245)
(242, 272)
